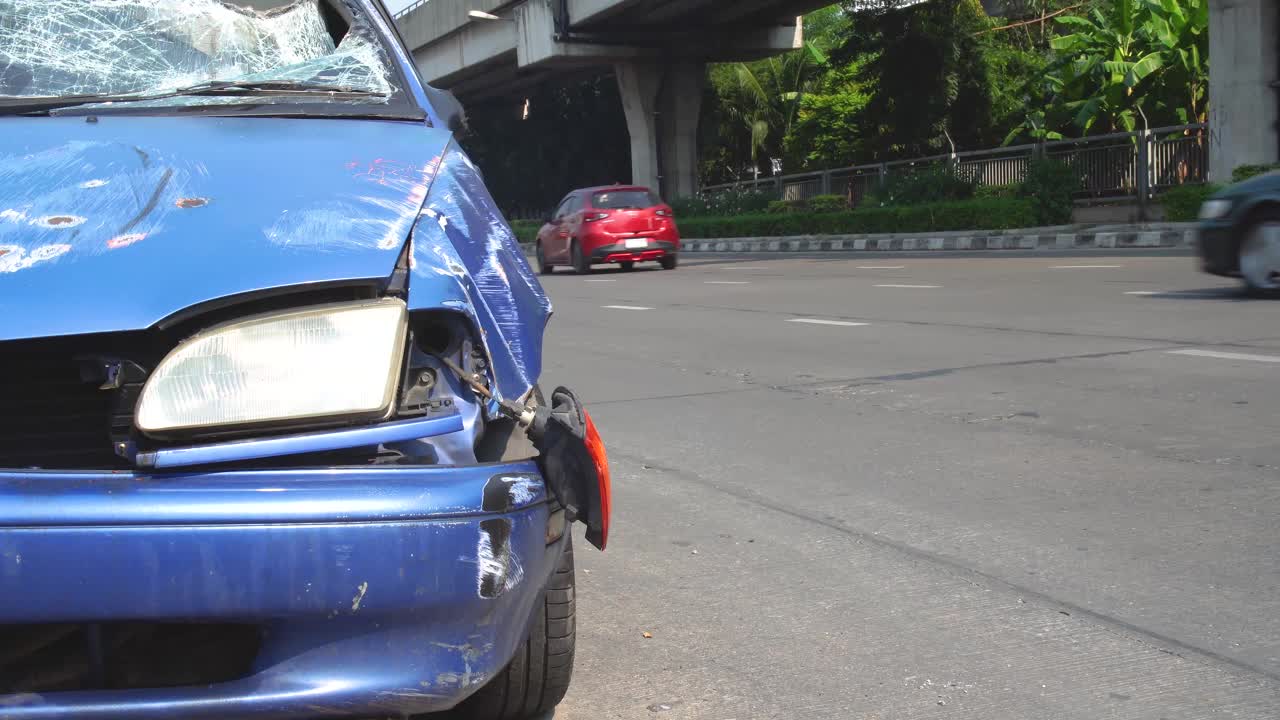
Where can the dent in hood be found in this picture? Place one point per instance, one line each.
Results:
(114, 225)
(117, 224)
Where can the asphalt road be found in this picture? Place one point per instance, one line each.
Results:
(928, 486)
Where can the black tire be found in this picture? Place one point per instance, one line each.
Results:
(544, 267)
(1268, 216)
(581, 265)
(669, 262)
(628, 265)
(538, 676)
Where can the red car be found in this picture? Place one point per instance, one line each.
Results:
(622, 224)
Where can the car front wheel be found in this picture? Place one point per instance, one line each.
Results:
(538, 677)
(1260, 254)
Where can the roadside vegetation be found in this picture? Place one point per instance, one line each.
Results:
(883, 80)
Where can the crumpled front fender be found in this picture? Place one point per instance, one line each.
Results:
(465, 257)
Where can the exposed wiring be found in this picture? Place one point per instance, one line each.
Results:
(519, 412)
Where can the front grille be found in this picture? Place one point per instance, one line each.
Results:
(58, 657)
(52, 414)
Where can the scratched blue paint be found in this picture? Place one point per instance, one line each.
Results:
(366, 578)
(256, 449)
(462, 235)
(271, 202)
(355, 494)
(196, 546)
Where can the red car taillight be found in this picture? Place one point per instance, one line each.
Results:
(595, 216)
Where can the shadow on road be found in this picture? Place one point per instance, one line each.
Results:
(600, 272)
(1227, 294)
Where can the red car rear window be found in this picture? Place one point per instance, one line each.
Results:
(624, 199)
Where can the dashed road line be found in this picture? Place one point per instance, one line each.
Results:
(1083, 267)
(625, 307)
(882, 267)
(819, 321)
(1145, 292)
(1227, 355)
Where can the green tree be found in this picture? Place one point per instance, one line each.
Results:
(755, 104)
(827, 130)
(827, 28)
(929, 84)
(1181, 29)
(1124, 64)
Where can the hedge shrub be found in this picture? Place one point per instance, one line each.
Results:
(1244, 172)
(926, 185)
(828, 203)
(526, 230)
(987, 192)
(1182, 203)
(995, 214)
(733, 201)
(777, 207)
(1050, 185)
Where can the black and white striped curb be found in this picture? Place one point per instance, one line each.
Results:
(1155, 235)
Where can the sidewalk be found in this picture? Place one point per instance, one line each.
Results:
(1065, 237)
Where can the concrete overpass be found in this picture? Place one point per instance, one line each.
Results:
(658, 50)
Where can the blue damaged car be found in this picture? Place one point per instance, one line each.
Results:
(271, 439)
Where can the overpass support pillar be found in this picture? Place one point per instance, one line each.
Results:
(679, 107)
(662, 103)
(639, 84)
(1244, 85)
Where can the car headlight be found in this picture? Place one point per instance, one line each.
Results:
(328, 361)
(1213, 209)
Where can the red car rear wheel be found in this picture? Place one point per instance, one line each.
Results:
(581, 264)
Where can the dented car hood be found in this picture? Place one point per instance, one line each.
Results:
(114, 223)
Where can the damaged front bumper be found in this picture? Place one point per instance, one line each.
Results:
(372, 591)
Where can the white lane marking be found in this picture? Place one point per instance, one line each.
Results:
(625, 307)
(816, 321)
(882, 267)
(910, 286)
(599, 280)
(726, 282)
(1227, 355)
(1145, 292)
(1082, 267)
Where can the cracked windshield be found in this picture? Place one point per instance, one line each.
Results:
(62, 48)
(639, 359)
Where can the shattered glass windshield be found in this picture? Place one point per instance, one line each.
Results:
(114, 48)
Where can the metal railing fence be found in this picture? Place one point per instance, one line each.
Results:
(1119, 166)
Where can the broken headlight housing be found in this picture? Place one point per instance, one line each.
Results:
(338, 361)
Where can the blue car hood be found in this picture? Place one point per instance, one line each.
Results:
(117, 222)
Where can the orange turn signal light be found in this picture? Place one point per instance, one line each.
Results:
(595, 448)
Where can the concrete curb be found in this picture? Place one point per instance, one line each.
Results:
(1153, 235)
